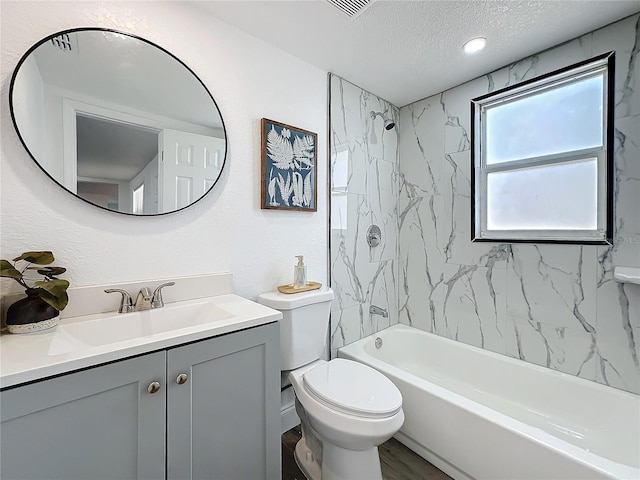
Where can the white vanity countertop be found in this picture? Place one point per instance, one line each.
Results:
(70, 346)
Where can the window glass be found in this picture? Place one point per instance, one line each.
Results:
(340, 171)
(542, 157)
(138, 200)
(554, 120)
(553, 197)
(339, 188)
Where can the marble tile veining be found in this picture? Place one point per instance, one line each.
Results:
(362, 275)
(474, 306)
(553, 284)
(421, 271)
(624, 38)
(549, 304)
(564, 349)
(553, 305)
(422, 138)
(627, 174)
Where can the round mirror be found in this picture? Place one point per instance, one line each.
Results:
(118, 121)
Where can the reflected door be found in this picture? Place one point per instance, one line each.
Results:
(190, 165)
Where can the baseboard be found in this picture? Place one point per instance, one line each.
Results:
(288, 419)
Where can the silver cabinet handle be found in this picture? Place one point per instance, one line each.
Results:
(182, 378)
(153, 387)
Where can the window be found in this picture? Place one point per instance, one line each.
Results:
(138, 200)
(339, 188)
(542, 158)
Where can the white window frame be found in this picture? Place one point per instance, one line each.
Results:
(602, 65)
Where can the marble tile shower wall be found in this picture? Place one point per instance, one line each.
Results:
(552, 305)
(364, 191)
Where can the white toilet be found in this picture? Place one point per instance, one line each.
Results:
(347, 409)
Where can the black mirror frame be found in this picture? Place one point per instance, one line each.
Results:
(99, 29)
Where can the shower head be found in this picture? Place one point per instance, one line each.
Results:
(388, 123)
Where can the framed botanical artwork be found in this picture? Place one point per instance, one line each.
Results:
(289, 167)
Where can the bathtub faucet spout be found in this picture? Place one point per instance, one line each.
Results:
(373, 310)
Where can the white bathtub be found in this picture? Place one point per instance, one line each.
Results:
(479, 415)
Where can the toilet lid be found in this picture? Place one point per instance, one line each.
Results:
(353, 388)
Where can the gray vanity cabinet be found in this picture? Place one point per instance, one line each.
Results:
(216, 415)
(223, 422)
(96, 423)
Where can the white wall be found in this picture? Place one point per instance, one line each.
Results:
(226, 230)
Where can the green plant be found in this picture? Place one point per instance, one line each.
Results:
(51, 289)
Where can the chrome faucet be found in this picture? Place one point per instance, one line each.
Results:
(156, 300)
(145, 300)
(373, 310)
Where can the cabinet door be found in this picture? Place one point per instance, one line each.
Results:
(99, 423)
(223, 423)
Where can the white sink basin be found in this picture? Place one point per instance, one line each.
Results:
(86, 337)
(128, 326)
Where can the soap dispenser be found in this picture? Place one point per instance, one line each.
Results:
(300, 273)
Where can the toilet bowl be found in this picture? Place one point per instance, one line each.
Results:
(346, 408)
(351, 409)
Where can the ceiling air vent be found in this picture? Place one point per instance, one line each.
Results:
(67, 42)
(351, 8)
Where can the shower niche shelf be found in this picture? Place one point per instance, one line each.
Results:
(627, 275)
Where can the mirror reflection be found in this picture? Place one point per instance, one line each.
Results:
(118, 121)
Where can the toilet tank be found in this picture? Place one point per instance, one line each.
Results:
(304, 324)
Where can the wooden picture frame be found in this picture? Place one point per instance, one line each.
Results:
(289, 167)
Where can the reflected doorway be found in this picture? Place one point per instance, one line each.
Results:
(121, 155)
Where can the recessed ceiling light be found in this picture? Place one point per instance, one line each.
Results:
(474, 45)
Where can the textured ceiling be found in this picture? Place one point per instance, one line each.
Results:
(406, 50)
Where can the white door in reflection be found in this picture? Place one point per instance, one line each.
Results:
(189, 166)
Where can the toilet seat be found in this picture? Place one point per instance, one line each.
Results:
(353, 388)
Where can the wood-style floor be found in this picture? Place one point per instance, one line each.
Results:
(397, 461)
